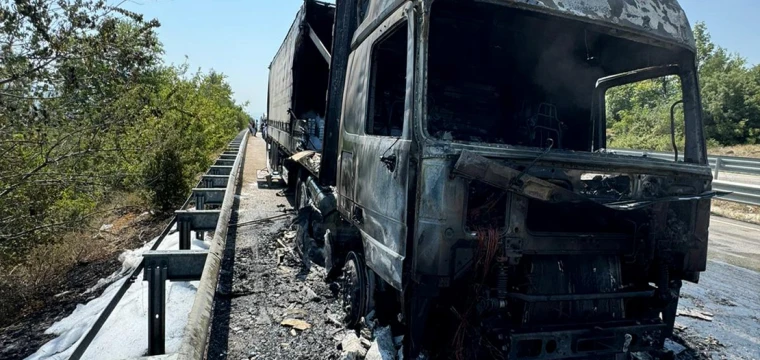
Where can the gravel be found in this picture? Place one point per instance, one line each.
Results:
(264, 283)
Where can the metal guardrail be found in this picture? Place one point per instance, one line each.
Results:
(741, 193)
(184, 264)
(196, 333)
(734, 164)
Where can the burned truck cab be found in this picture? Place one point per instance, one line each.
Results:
(523, 220)
(462, 175)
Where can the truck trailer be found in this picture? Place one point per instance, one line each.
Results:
(450, 164)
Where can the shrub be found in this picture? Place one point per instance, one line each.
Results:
(166, 181)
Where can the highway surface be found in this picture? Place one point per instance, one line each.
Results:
(728, 293)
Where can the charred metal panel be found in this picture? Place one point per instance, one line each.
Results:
(479, 168)
(376, 13)
(440, 217)
(281, 73)
(664, 20)
(346, 183)
(600, 342)
(288, 143)
(573, 275)
(298, 73)
(356, 92)
(379, 189)
(600, 161)
(343, 30)
(696, 256)
(382, 196)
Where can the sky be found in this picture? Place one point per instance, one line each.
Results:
(240, 37)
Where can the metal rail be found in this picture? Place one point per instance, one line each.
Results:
(734, 164)
(195, 335)
(238, 144)
(741, 193)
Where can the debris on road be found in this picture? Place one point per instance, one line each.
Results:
(296, 324)
(382, 347)
(674, 347)
(695, 314)
(352, 346)
(286, 309)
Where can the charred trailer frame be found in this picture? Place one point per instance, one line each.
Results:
(463, 178)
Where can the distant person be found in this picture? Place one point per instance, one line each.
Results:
(253, 129)
(264, 129)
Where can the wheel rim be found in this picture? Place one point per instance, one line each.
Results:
(354, 289)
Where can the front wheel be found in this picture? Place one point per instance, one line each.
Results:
(355, 289)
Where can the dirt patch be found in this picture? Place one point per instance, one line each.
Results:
(738, 150)
(53, 280)
(736, 211)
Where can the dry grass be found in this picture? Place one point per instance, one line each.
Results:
(752, 151)
(25, 286)
(732, 210)
(45, 270)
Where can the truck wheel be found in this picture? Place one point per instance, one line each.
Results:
(355, 289)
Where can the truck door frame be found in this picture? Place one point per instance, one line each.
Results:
(371, 195)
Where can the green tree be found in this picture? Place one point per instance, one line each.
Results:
(638, 114)
(730, 93)
(87, 109)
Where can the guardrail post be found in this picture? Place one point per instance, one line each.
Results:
(184, 233)
(200, 204)
(717, 168)
(156, 309)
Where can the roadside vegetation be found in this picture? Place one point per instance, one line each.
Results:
(94, 129)
(639, 114)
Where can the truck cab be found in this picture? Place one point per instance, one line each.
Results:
(464, 176)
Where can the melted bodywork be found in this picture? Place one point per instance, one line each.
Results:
(664, 20)
(464, 160)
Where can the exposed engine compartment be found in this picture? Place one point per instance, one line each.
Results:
(557, 276)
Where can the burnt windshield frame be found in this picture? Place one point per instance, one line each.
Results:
(691, 120)
(679, 55)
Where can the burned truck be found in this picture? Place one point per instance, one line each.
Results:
(449, 161)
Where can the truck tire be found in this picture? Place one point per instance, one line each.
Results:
(355, 289)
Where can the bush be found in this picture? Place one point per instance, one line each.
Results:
(166, 181)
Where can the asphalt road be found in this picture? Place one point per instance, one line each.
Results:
(734, 242)
(728, 292)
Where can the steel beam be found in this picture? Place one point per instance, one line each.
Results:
(224, 162)
(228, 157)
(199, 219)
(220, 170)
(156, 276)
(200, 204)
(194, 220)
(161, 266)
(209, 196)
(180, 265)
(318, 43)
(215, 181)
